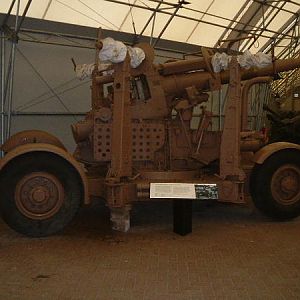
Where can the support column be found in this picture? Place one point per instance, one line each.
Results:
(182, 216)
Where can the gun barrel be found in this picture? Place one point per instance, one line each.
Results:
(280, 65)
(176, 84)
(182, 66)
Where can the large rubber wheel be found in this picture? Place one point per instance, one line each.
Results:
(275, 185)
(40, 194)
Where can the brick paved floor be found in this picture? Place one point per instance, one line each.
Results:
(231, 254)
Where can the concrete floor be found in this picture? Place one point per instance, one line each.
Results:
(231, 254)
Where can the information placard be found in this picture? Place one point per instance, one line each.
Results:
(183, 191)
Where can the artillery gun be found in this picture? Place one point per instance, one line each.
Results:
(136, 144)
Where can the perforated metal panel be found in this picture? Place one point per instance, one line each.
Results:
(102, 141)
(146, 139)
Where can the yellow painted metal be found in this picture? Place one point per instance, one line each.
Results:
(41, 147)
(265, 152)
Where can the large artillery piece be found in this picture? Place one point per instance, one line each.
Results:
(137, 144)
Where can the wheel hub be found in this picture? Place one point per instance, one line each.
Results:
(39, 195)
(285, 185)
(289, 184)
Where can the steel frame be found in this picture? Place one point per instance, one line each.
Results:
(185, 17)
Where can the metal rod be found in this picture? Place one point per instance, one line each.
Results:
(45, 82)
(286, 27)
(11, 84)
(197, 24)
(23, 16)
(11, 80)
(46, 10)
(59, 34)
(93, 47)
(98, 14)
(56, 43)
(167, 24)
(220, 109)
(50, 113)
(270, 5)
(81, 13)
(127, 15)
(257, 91)
(264, 25)
(8, 13)
(231, 23)
(41, 98)
(257, 10)
(152, 29)
(6, 78)
(149, 20)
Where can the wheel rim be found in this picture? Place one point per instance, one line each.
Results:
(285, 185)
(39, 195)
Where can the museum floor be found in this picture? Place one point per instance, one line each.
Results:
(231, 254)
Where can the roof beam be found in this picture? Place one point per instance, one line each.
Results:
(150, 19)
(277, 8)
(220, 18)
(250, 17)
(241, 31)
(283, 28)
(47, 9)
(127, 15)
(197, 24)
(177, 7)
(234, 20)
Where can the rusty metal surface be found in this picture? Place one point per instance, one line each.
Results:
(136, 139)
(181, 66)
(139, 130)
(170, 176)
(285, 184)
(230, 156)
(39, 195)
(82, 129)
(28, 148)
(175, 85)
(30, 137)
(97, 187)
(261, 155)
(121, 145)
(146, 138)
